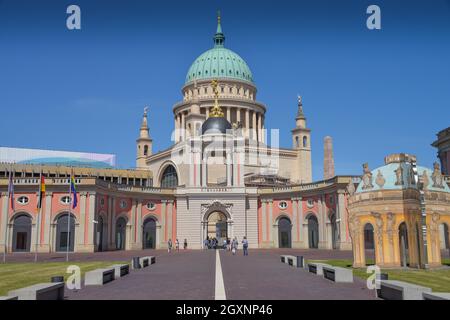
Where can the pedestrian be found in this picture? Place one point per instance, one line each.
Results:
(205, 244)
(177, 245)
(224, 244)
(228, 244)
(245, 246)
(185, 244)
(234, 245)
(169, 245)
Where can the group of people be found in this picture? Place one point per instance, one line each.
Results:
(177, 245)
(228, 244)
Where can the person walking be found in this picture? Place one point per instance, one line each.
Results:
(185, 244)
(234, 246)
(177, 245)
(245, 246)
(224, 244)
(169, 245)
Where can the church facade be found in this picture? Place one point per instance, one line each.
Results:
(224, 177)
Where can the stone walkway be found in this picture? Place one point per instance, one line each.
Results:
(190, 275)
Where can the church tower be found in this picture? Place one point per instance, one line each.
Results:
(301, 139)
(144, 143)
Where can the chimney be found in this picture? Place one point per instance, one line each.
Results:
(328, 159)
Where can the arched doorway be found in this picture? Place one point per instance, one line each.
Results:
(284, 233)
(169, 178)
(121, 225)
(65, 233)
(369, 243)
(217, 227)
(22, 233)
(100, 234)
(313, 232)
(403, 241)
(149, 234)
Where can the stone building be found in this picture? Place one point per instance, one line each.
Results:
(221, 178)
(388, 207)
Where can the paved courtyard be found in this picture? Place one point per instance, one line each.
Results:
(192, 275)
(211, 274)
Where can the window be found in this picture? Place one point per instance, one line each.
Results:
(151, 206)
(66, 200)
(310, 203)
(145, 150)
(102, 202)
(297, 143)
(123, 204)
(305, 141)
(283, 205)
(331, 199)
(23, 200)
(169, 178)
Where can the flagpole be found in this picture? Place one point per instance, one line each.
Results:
(68, 219)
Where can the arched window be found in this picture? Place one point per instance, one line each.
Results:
(169, 178)
(145, 150)
(297, 143)
(305, 141)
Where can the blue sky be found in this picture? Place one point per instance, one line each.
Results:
(374, 92)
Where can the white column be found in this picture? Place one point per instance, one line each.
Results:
(4, 221)
(229, 171)
(238, 114)
(247, 123)
(90, 216)
(163, 222)
(259, 127)
(82, 220)
(113, 223)
(263, 129)
(204, 171)
(342, 218)
(271, 228)
(254, 125)
(47, 218)
(294, 219)
(169, 219)
(264, 221)
(301, 219)
(183, 126)
(207, 112)
(133, 221)
(228, 114)
(177, 127)
(139, 223)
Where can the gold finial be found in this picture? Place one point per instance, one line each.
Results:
(218, 16)
(216, 111)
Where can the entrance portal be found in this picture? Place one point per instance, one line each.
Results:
(217, 227)
(22, 233)
(284, 233)
(313, 232)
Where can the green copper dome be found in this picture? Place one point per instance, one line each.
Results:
(219, 62)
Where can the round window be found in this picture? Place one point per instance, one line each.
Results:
(65, 200)
(283, 205)
(310, 203)
(23, 200)
(151, 206)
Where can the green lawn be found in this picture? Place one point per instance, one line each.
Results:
(19, 275)
(438, 279)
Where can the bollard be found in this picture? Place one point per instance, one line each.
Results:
(136, 263)
(300, 262)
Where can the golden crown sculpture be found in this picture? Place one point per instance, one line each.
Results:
(216, 111)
